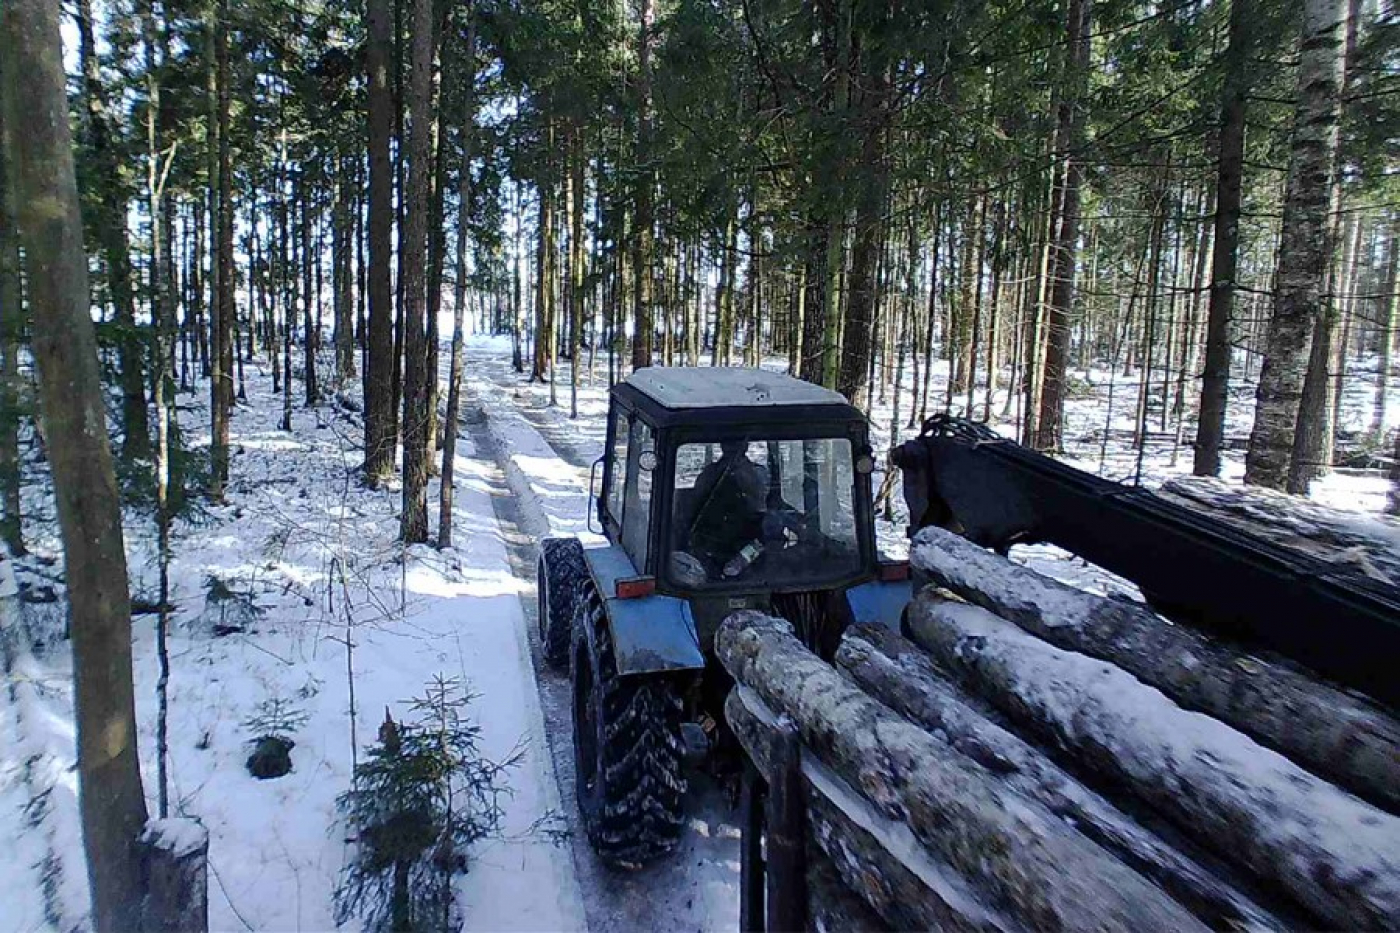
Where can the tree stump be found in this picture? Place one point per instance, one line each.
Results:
(174, 862)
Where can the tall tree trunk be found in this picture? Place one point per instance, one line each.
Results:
(815, 320)
(437, 231)
(467, 62)
(222, 382)
(1303, 253)
(642, 233)
(342, 234)
(1315, 438)
(856, 345)
(1065, 255)
(110, 798)
(380, 428)
(1389, 321)
(11, 326)
(1215, 377)
(109, 227)
(577, 256)
(304, 197)
(544, 249)
(517, 308)
(994, 308)
(413, 522)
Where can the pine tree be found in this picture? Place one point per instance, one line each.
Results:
(423, 796)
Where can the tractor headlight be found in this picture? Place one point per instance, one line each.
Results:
(865, 464)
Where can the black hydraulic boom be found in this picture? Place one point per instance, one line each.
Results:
(1191, 567)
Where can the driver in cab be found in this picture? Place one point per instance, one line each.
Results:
(727, 523)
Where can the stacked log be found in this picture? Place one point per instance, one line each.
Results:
(1051, 759)
(1335, 733)
(1366, 545)
(983, 857)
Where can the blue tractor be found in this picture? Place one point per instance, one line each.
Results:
(722, 489)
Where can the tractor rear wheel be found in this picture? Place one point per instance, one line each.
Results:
(627, 749)
(558, 575)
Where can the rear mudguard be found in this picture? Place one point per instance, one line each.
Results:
(650, 634)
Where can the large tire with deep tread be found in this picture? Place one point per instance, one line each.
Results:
(627, 749)
(559, 576)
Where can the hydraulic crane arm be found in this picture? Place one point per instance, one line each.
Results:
(1191, 567)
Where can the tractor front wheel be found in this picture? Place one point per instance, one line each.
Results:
(627, 749)
(558, 577)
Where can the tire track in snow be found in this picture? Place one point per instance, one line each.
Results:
(697, 886)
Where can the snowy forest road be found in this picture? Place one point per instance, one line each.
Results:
(696, 887)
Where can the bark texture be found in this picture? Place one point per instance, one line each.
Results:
(1332, 732)
(1005, 845)
(413, 521)
(1303, 251)
(1065, 255)
(110, 798)
(380, 429)
(1215, 376)
(1336, 854)
(901, 676)
(11, 327)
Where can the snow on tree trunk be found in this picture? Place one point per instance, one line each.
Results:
(1339, 856)
(1332, 732)
(1006, 845)
(1303, 252)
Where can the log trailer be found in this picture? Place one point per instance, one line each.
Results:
(980, 747)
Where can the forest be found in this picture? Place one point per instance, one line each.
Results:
(1183, 215)
(1193, 201)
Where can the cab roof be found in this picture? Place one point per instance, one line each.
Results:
(677, 387)
(720, 395)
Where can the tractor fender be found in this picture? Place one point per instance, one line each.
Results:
(879, 602)
(650, 634)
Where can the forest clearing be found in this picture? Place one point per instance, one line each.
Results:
(450, 464)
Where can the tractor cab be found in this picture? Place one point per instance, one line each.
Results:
(722, 489)
(721, 483)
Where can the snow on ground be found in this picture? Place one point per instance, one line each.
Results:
(312, 557)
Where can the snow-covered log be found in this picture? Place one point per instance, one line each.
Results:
(1010, 849)
(1368, 545)
(1336, 854)
(901, 675)
(1334, 733)
(909, 892)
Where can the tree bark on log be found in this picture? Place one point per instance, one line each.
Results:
(1366, 545)
(903, 896)
(1334, 733)
(1337, 855)
(832, 906)
(900, 675)
(1010, 848)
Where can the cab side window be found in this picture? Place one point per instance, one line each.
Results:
(617, 468)
(636, 510)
